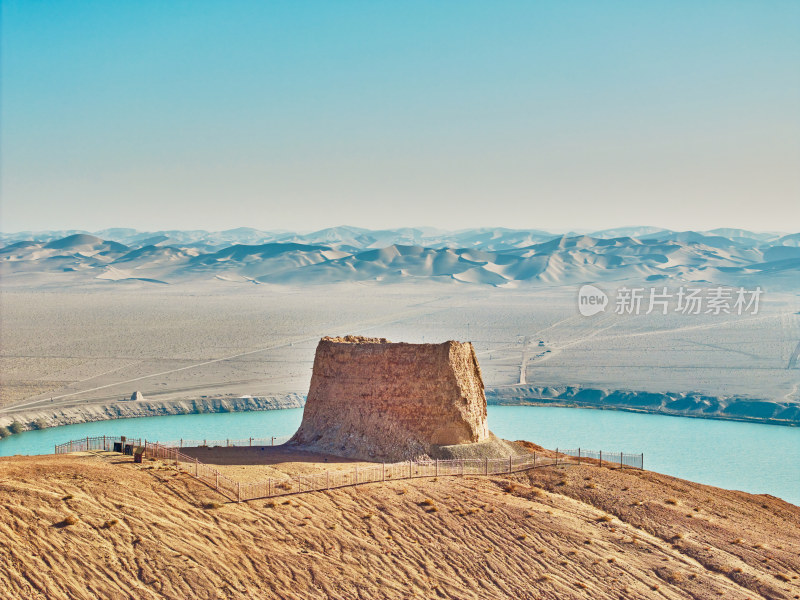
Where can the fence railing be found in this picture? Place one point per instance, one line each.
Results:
(102, 442)
(193, 467)
(635, 461)
(393, 472)
(280, 486)
(227, 443)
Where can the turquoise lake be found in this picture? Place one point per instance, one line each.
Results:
(761, 459)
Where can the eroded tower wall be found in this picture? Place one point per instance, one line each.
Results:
(377, 400)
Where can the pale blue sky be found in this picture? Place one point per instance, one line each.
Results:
(292, 114)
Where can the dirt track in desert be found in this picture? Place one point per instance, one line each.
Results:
(77, 347)
(91, 527)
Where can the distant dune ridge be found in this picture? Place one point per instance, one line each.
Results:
(494, 257)
(376, 400)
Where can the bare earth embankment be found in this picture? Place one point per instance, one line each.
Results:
(96, 411)
(84, 526)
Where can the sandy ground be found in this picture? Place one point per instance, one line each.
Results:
(79, 346)
(75, 527)
(260, 463)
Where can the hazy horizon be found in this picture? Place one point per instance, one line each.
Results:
(423, 227)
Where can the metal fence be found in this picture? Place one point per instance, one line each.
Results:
(102, 442)
(193, 467)
(393, 472)
(635, 461)
(227, 443)
(281, 486)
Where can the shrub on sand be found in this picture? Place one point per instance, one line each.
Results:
(67, 521)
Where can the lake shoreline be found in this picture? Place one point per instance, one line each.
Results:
(690, 405)
(676, 404)
(732, 454)
(74, 415)
(545, 403)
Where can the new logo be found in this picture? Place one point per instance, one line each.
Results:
(591, 300)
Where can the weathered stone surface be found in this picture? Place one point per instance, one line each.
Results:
(377, 400)
(136, 396)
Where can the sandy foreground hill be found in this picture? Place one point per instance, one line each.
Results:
(90, 526)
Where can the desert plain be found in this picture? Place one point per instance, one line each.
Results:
(65, 346)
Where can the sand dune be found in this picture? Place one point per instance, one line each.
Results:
(80, 527)
(495, 257)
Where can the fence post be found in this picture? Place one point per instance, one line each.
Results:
(238, 491)
(462, 467)
(620, 460)
(251, 442)
(104, 443)
(579, 456)
(601, 458)
(216, 480)
(556, 456)
(87, 443)
(437, 467)
(642, 464)
(196, 467)
(273, 440)
(509, 463)
(383, 471)
(534, 459)
(486, 466)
